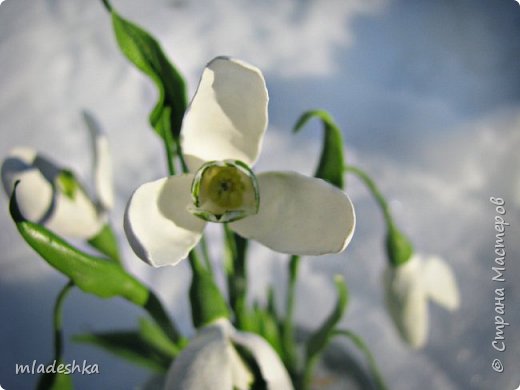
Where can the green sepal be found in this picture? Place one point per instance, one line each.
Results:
(147, 55)
(330, 166)
(106, 243)
(398, 246)
(67, 183)
(258, 381)
(207, 302)
(55, 381)
(321, 337)
(91, 274)
(130, 346)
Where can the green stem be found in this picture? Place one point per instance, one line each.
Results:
(358, 342)
(180, 154)
(378, 196)
(205, 253)
(168, 146)
(58, 320)
(288, 328)
(398, 246)
(236, 272)
(304, 381)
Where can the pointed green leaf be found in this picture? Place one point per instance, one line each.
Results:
(268, 328)
(91, 274)
(330, 167)
(157, 338)
(207, 302)
(147, 55)
(320, 338)
(128, 345)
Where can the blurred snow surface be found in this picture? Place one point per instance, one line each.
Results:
(429, 104)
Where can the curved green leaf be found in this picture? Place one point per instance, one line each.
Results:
(330, 167)
(91, 274)
(207, 302)
(147, 55)
(128, 345)
(155, 336)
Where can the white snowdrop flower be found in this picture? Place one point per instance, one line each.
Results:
(221, 138)
(211, 361)
(410, 286)
(51, 195)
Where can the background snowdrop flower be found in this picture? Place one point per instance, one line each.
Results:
(211, 361)
(50, 195)
(221, 139)
(410, 286)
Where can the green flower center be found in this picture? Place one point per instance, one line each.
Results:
(224, 191)
(225, 186)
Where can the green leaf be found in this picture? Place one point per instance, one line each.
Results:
(207, 302)
(106, 243)
(67, 183)
(157, 338)
(319, 339)
(130, 346)
(268, 328)
(91, 274)
(330, 167)
(358, 342)
(147, 55)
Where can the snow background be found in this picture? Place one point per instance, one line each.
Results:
(428, 97)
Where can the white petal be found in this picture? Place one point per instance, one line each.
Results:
(34, 193)
(40, 202)
(102, 163)
(272, 369)
(440, 283)
(407, 302)
(227, 117)
(204, 364)
(157, 224)
(299, 215)
(75, 217)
